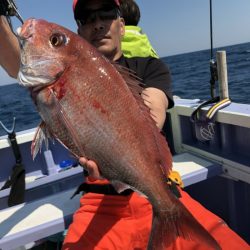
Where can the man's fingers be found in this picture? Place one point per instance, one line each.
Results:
(83, 161)
(92, 168)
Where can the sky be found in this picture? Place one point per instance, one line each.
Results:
(173, 26)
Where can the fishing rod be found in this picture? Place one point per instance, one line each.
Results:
(12, 10)
(213, 64)
(204, 122)
(9, 9)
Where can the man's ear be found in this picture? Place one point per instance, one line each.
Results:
(122, 26)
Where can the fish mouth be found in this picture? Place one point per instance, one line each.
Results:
(31, 80)
(38, 73)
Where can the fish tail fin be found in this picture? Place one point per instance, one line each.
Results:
(166, 227)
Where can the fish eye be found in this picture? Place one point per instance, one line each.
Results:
(57, 40)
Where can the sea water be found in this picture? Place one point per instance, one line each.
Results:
(190, 75)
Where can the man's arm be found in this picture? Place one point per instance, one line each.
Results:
(9, 49)
(157, 102)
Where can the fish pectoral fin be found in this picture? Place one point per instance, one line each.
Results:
(120, 186)
(64, 118)
(42, 134)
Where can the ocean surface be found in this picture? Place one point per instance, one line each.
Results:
(190, 75)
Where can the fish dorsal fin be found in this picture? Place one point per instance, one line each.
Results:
(133, 81)
(136, 86)
(166, 155)
(120, 187)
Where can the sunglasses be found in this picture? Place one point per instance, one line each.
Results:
(105, 13)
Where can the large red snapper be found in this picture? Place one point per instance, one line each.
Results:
(95, 109)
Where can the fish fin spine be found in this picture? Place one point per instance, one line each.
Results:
(42, 134)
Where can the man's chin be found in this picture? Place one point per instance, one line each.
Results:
(103, 48)
(99, 43)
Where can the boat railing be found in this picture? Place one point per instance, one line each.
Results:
(43, 215)
(229, 146)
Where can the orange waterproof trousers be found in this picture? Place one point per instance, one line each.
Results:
(124, 223)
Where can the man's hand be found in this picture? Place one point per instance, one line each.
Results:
(92, 168)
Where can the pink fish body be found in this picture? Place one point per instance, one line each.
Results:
(95, 109)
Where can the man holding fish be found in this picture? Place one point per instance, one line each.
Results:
(110, 218)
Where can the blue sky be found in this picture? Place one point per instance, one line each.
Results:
(173, 26)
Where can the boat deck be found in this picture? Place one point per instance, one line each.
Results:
(41, 218)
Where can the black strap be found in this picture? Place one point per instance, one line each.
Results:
(204, 122)
(196, 113)
(108, 189)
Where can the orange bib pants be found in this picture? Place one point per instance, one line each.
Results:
(124, 222)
